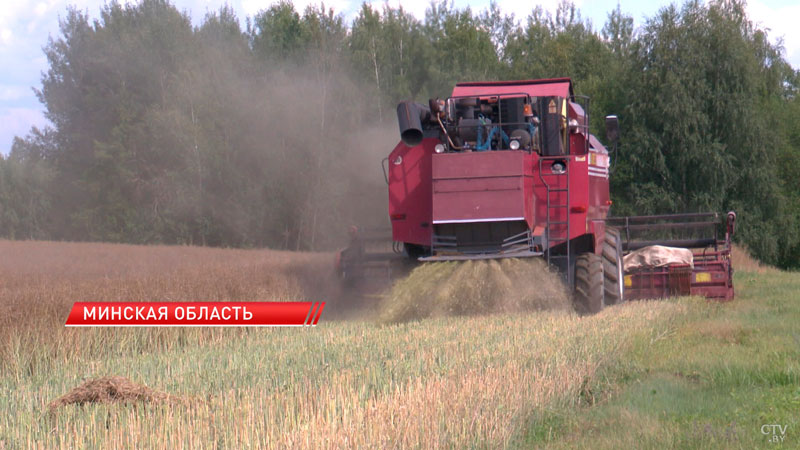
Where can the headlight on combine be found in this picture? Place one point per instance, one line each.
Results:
(573, 125)
(439, 148)
(514, 145)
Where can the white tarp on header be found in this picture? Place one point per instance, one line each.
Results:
(657, 256)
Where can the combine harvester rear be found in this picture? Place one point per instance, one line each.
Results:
(510, 170)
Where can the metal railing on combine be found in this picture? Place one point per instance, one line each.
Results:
(672, 230)
(562, 233)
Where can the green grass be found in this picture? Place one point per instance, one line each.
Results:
(712, 381)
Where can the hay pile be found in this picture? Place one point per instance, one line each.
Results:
(475, 287)
(111, 390)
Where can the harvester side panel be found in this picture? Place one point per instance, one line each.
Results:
(410, 192)
(599, 201)
(588, 196)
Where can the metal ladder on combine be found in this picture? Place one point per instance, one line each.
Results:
(557, 232)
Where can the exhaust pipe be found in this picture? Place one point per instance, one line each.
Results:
(410, 117)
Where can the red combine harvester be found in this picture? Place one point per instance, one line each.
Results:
(510, 170)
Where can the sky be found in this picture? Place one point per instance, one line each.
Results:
(26, 25)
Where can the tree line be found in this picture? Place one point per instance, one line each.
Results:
(272, 134)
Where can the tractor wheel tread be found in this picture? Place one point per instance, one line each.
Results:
(612, 267)
(610, 271)
(609, 254)
(588, 296)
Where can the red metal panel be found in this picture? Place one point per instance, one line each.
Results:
(489, 205)
(708, 279)
(410, 192)
(583, 202)
(475, 184)
(653, 283)
(478, 164)
(711, 278)
(561, 87)
(579, 196)
(479, 187)
(598, 203)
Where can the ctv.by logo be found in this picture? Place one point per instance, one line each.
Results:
(776, 433)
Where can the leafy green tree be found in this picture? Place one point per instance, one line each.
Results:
(618, 31)
(462, 48)
(278, 34)
(699, 137)
(26, 186)
(214, 135)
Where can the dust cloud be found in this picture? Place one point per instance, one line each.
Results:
(307, 149)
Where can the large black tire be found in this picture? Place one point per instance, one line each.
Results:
(588, 295)
(612, 268)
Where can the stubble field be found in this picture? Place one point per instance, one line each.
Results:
(545, 378)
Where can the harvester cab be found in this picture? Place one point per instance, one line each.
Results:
(505, 170)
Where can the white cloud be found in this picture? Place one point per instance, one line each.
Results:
(252, 7)
(521, 10)
(5, 36)
(339, 6)
(40, 9)
(8, 93)
(782, 22)
(17, 122)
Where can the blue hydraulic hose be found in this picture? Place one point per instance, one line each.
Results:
(486, 145)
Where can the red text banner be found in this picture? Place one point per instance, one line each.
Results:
(195, 314)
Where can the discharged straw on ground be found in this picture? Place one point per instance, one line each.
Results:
(475, 287)
(111, 390)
